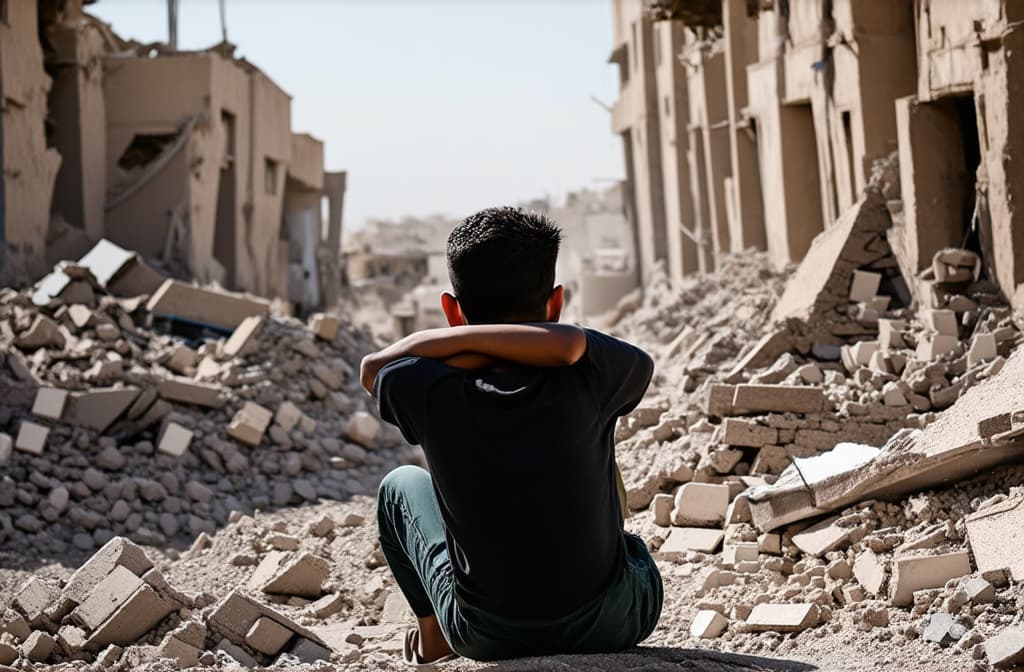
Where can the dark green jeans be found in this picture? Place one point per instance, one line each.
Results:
(413, 541)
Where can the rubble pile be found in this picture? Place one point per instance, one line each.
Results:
(280, 601)
(154, 419)
(780, 421)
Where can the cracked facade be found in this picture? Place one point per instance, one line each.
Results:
(756, 125)
(186, 157)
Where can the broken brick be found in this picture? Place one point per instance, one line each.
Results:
(782, 617)
(708, 624)
(32, 437)
(174, 440)
(700, 504)
(268, 636)
(778, 398)
(249, 424)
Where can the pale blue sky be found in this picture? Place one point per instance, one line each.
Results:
(431, 105)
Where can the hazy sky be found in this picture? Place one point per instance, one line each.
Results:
(431, 105)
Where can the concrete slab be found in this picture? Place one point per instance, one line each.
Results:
(100, 407)
(822, 537)
(296, 574)
(996, 536)
(218, 308)
(683, 539)
(1006, 649)
(118, 552)
(188, 391)
(922, 572)
(708, 624)
(782, 617)
(139, 614)
(777, 398)
(236, 613)
(113, 591)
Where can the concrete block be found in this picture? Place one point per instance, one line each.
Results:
(996, 536)
(49, 403)
(71, 639)
(215, 307)
(236, 613)
(32, 600)
(778, 398)
(268, 636)
(139, 614)
(941, 322)
(980, 591)
(662, 504)
(362, 428)
(38, 647)
(942, 629)
(327, 606)
(700, 504)
(249, 424)
(822, 537)
(708, 624)
(99, 408)
(683, 539)
(737, 552)
(288, 415)
(890, 334)
(870, 571)
(186, 391)
(983, 348)
(717, 400)
(919, 573)
(237, 654)
(118, 552)
(864, 286)
(186, 655)
(1006, 649)
(769, 543)
(308, 651)
(241, 341)
(324, 326)
(862, 351)
(299, 574)
(930, 349)
(113, 591)
(852, 594)
(738, 432)
(174, 440)
(782, 617)
(109, 656)
(32, 437)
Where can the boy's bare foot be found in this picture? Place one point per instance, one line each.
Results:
(432, 644)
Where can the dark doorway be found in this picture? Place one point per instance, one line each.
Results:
(224, 231)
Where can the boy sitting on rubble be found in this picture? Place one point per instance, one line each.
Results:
(513, 543)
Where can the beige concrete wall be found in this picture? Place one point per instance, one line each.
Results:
(635, 117)
(265, 270)
(29, 167)
(674, 111)
(743, 195)
(78, 112)
(307, 160)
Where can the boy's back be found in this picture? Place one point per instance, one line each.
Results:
(523, 470)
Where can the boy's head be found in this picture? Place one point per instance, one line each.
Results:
(501, 262)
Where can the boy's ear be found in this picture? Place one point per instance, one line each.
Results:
(555, 303)
(452, 310)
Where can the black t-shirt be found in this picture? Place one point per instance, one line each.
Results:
(522, 461)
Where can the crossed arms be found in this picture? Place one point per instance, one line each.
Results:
(478, 345)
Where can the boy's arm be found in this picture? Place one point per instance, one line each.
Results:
(540, 344)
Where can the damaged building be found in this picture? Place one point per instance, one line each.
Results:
(756, 125)
(187, 157)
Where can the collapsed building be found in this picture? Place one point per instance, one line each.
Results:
(757, 124)
(187, 158)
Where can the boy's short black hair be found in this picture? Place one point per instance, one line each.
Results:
(501, 262)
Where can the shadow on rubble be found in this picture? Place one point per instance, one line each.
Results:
(652, 659)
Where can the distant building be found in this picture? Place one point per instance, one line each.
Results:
(185, 157)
